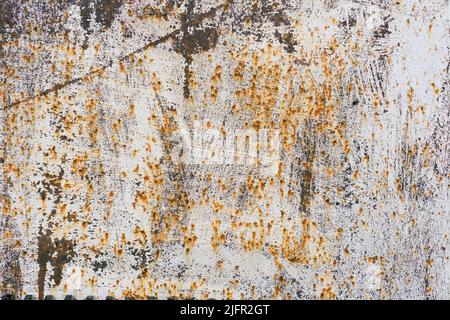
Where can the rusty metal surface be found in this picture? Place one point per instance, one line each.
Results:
(225, 149)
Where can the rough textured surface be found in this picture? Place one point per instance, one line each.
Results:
(225, 149)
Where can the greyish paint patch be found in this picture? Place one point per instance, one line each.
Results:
(225, 149)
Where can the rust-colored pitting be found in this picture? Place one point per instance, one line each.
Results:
(300, 142)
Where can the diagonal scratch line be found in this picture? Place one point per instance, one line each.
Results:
(195, 21)
(98, 70)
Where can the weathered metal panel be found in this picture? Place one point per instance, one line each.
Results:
(225, 149)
